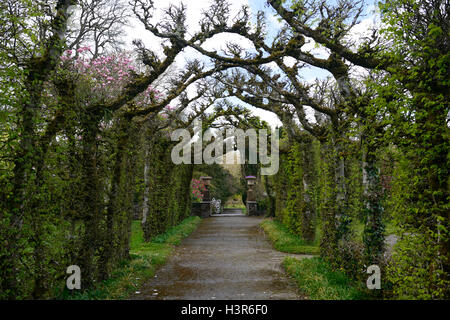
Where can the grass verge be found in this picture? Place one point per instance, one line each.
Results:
(358, 229)
(283, 240)
(315, 279)
(146, 257)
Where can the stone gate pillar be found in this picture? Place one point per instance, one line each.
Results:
(251, 204)
(203, 209)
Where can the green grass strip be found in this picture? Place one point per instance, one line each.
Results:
(146, 257)
(285, 241)
(316, 280)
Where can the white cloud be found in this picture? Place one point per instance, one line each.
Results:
(315, 49)
(270, 117)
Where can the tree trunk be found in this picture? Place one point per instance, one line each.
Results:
(147, 186)
(91, 200)
(112, 238)
(373, 236)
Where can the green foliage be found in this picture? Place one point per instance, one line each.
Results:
(75, 169)
(415, 95)
(169, 198)
(299, 211)
(223, 185)
(338, 225)
(316, 279)
(280, 181)
(416, 274)
(295, 204)
(175, 234)
(285, 241)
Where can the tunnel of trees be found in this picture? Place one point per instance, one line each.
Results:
(85, 140)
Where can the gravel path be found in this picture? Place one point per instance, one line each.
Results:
(225, 258)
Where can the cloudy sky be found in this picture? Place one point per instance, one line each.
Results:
(194, 14)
